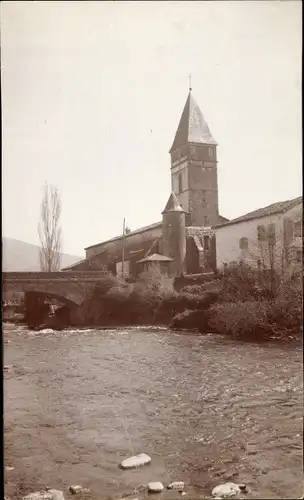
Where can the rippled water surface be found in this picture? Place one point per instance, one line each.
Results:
(206, 409)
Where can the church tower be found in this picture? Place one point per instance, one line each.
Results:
(194, 167)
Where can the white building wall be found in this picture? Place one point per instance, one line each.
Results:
(228, 240)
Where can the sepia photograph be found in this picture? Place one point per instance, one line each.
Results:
(152, 280)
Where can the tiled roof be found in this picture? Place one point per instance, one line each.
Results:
(71, 266)
(156, 257)
(223, 219)
(192, 126)
(279, 207)
(136, 231)
(132, 251)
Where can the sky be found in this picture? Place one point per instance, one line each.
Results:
(92, 93)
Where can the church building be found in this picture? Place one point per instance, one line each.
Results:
(183, 242)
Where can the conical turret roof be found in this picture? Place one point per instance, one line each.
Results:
(192, 126)
(172, 204)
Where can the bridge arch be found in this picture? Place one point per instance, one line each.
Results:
(69, 294)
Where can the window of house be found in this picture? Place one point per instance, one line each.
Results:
(206, 221)
(298, 229)
(180, 183)
(271, 233)
(262, 235)
(299, 256)
(204, 202)
(206, 242)
(244, 243)
(210, 153)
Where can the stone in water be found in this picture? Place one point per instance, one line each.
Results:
(75, 489)
(226, 490)
(45, 495)
(56, 494)
(136, 461)
(155, 487)
(177, 485)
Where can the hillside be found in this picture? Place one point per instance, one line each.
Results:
(21, 256)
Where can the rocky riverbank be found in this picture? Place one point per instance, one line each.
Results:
(240, 305)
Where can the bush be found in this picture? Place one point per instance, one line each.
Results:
(107, 282)
(153, 282)
(260, 318)
(286, 309)
(192, 289)
(241, 319)
(119, 292)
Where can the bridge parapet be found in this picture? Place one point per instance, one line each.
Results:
(53, 276)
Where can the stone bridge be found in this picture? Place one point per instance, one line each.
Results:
(68, 286)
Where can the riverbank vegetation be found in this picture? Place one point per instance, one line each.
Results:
(242, 303)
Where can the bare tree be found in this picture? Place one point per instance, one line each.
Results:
(49, 229)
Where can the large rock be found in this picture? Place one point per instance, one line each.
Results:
(176, 485)
(156, 487)
(136, 461)
(75, 488)
(227, 490)
(39, 495)
(57, 495)
(45, 495)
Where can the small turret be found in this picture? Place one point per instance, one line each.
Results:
(174, 235)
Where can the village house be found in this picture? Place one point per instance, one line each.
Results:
(267, 237)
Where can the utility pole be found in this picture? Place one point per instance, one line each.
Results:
(123, 247)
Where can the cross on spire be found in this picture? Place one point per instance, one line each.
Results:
(190, 83)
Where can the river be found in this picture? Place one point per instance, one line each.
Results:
(205, 408)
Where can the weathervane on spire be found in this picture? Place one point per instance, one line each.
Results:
(190, 86)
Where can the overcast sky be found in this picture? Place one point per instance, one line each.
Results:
(92, 93)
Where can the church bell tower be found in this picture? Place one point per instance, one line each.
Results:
(194, 167)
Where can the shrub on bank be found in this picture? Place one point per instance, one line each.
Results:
(256, 319)
(116, 302)
(241, 319)
(238, 304)
(286, 309)
(192, 289)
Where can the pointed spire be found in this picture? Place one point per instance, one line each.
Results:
(192, 126)
(190, 85)
(172, 205)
